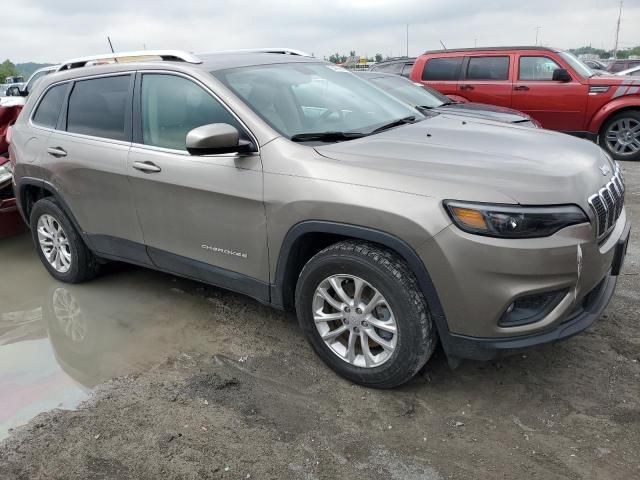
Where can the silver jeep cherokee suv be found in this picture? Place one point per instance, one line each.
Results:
(293, 181)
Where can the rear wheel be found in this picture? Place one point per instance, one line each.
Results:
(364, 314)
(620, 135)
(60, 247)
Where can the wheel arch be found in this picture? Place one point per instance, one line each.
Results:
(610, 109)
(307, 238)
(30, 190)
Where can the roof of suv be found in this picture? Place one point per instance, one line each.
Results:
(208, 62)
(489, 49)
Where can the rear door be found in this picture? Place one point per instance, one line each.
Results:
(442, 73)
(556, 105)
(86, 159)
(202, 216)
(486, 79)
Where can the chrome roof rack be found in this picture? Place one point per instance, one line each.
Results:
(281, 51)
(165, 55)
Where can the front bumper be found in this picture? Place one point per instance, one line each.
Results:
(478, 278)
(581, 318)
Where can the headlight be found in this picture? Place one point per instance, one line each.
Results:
(513, 222)
(5, 173)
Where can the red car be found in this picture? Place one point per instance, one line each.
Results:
(552, 86)
(10, 220)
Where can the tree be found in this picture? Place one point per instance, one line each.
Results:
(378, 57)
(7, 69)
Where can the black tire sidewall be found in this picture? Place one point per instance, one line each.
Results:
(76, 246)
(634, 114)
(409, 332)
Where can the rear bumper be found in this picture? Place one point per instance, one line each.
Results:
(581, 318)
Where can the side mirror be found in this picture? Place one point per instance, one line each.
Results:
(216, 138)
(561, 75)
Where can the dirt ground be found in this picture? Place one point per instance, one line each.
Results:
(189, 381)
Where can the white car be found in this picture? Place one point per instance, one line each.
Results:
(633, 71)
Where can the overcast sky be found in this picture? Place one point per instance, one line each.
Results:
(53, 30)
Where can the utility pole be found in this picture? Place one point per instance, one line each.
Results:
(475, 43)
(615, 48)
(537, 32)
(407, 40)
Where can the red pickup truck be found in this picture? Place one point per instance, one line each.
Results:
(552, 86)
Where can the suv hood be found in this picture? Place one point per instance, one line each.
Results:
(452, 157)
(482, 110)
(612, 79)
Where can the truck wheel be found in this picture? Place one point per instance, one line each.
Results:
(362, 310)
(60, 247)
(620, 135)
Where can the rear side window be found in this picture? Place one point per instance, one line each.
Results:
(172, 106)
(49, 107)
(442, 68)
(488, 68)
(97, 107)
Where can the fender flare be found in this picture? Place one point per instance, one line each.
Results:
(623, 102)
(399, 246)
(21, 200)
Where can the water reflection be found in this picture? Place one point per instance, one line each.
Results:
(58, 341)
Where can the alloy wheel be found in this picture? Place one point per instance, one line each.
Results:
(355, 321)
(54, 243)
(623, 136)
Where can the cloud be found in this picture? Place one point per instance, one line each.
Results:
(44, 30)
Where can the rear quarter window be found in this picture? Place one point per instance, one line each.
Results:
(97, 107)
(442, 68)
(48, 110)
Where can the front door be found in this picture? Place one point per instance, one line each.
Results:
(556, 105)
(201, 216)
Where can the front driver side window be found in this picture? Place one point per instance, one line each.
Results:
(172, 106)
(536, 68)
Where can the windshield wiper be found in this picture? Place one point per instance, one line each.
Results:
(326, 136)
(395, 123)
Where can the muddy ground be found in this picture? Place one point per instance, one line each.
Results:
(190, 381)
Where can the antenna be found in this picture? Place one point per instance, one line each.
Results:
(110, 44)
(615, 48)
(537, 33)
(443, 45)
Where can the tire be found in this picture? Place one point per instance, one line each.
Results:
(614, 128)
(415, 338)
(82, 264)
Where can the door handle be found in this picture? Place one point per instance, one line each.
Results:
(521, 88)
(57, 152)
(146, 167)
(467, 87)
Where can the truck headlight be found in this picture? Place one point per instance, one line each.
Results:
(504, 221)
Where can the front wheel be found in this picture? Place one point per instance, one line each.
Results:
(364, 314)
(620, 136)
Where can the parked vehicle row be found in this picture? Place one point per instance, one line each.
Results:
(551, 86)
(386, 228)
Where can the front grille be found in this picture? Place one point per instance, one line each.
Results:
(607, 204)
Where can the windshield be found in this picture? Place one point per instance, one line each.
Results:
(35, 77)
(407, 91)
(577, 64)
(303, 98)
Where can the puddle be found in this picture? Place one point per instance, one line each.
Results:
(58, 341)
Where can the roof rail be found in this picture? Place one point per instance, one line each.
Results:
(165, 55)
(282, 51)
